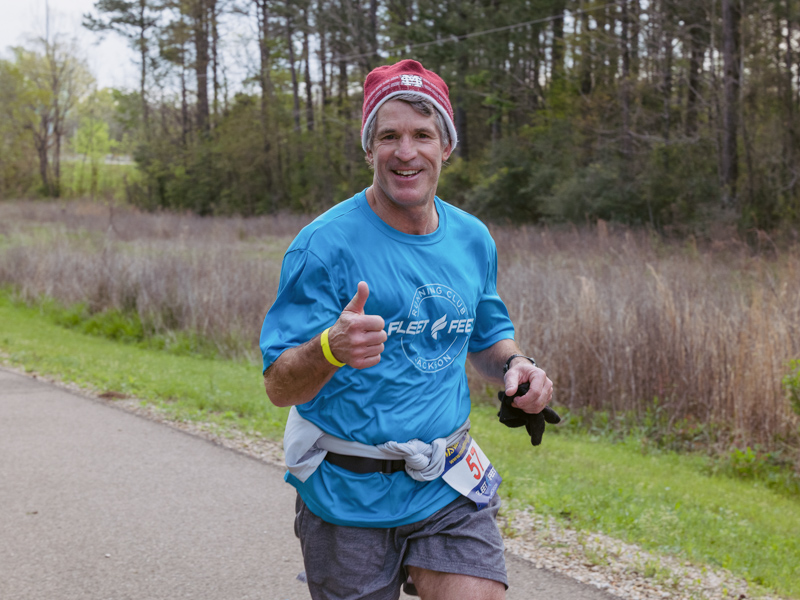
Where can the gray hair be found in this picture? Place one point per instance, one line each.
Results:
(424, 107)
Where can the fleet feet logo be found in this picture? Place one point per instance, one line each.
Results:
(436, 330)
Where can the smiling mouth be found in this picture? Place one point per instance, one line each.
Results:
(406, 173)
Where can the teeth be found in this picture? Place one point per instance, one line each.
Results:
(407, 172)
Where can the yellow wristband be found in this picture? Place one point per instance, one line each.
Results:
(326, 350)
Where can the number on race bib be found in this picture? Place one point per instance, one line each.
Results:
(464, 466)
(474, 462)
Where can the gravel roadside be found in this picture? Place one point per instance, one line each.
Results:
(618, 568)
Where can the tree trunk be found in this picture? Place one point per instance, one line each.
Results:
(496, 126)
(731, 42)
(536, 67)
(307, 60)
(790, 138)
(635, 29)
(373, 32)
(460, 100)
(696, 57)
(612, 67)
(57, 84)
(600, 49)
(666, 83)
(625, 83)
(262, 17)
(184, 106)
(200, 30)
(212, 11)
(143, 71)
(557, 50)
(41, 140)
(323, 61)
(262, 14)
(586, 54)
(342, 87)
(58, 133)
(460, 110)
(292, 68)
(344, 115)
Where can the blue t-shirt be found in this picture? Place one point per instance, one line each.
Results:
(437, 294)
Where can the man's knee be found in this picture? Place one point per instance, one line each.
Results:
(435, 585)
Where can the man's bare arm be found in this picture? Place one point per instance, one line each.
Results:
(490, 362)
(298, 374)
(356, 339)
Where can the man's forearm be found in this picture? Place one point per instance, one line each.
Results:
(355, 339)
(490, 362)
(298, 374)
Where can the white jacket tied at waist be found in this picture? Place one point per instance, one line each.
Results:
(305, 446)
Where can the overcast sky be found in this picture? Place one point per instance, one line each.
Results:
(111, 61)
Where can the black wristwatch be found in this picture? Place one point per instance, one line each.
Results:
(507, 366)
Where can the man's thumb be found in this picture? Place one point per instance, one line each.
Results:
(359, 300)
(512, 386)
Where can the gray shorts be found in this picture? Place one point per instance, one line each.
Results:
(349, 563)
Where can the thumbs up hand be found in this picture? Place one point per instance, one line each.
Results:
(358, 302)
(357, 338)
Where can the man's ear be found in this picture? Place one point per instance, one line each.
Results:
(369, 157)
(447, 152)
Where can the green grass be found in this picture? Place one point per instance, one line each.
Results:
(187, 387)
(663, 501)
(667, 502)
(127, 327)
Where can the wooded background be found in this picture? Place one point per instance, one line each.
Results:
(660, 112)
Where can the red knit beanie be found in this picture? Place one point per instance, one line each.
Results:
(406, 76)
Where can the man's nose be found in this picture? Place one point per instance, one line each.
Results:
(407, 149)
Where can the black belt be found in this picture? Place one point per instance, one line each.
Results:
(363, 465)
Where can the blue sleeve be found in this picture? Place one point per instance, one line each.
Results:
(492, 322)
(306, 304)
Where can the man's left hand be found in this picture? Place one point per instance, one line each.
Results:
(540, 392)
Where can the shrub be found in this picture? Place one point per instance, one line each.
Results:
(791, 383)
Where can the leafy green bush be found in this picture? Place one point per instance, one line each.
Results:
(677, 182)
(654, 430)
(517, 174)
(457, 179)
(791, 383)
(594, 192)
(771, 469)
(128, 327)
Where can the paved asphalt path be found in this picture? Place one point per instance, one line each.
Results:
(100, 504)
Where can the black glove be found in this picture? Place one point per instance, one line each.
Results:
(511, 416)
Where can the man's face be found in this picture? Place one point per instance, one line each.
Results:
(406, 154)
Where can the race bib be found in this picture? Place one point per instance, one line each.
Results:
(469, 472)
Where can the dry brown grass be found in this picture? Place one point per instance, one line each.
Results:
(617, 317)
(623, 318)
(213, 277)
